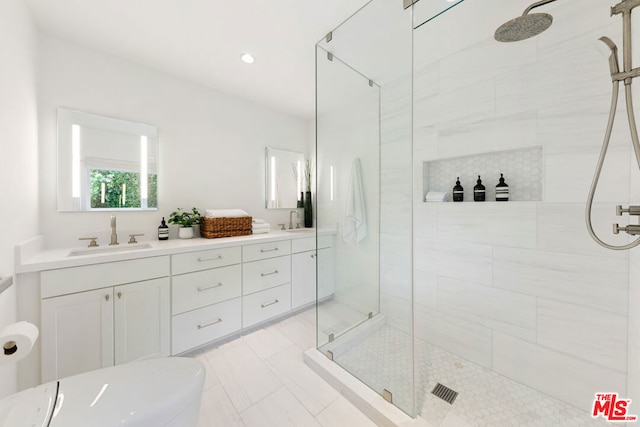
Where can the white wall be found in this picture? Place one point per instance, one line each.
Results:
(18, 151)
(519, 287)
(211, 145)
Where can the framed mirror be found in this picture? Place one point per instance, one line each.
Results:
(284, 179)
(106, 163)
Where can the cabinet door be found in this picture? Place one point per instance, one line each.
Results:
(303, 278)
(326, 273)
(76, 333)
(142, 319)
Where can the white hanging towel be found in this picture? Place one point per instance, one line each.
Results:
(355, 213)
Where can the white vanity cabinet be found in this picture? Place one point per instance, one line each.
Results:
(99, 315)
(304, 259)
(266, 281)
(205, 293)
(103, 314)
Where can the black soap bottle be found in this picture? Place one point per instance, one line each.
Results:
(163, 231)
(479, 191)
(502, 191)
(458, 191)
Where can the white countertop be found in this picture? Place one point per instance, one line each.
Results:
(34, 260)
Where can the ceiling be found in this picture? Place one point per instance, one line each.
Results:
(202, 40)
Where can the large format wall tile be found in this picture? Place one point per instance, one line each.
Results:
(505, 224)
(461, 337)
(562, 228)
(571, 184)
(589, 334)
(509, 312)
(495, 133)
(458, 260)
(564, 377)
(595, 282)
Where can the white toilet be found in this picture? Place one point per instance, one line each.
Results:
(151, 393)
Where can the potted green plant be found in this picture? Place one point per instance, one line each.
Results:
(186, 220)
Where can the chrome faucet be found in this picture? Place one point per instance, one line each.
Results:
(114, 235)
(291, 218)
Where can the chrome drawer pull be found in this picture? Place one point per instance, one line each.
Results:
(268, 274)
(209, 324)
(271, 303)
(209, 287)
(268, 250)
(209, 259)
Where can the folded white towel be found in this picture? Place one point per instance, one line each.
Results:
(225, 213)
(260, 231)
(258, 221)
(261, 226)
(436, 196)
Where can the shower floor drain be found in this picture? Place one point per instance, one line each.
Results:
(445, 393)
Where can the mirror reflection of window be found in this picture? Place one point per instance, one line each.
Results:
(105, 163)
(284, 179)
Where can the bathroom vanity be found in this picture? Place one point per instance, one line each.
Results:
(104, 308)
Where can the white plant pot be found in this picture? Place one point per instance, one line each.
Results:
(185, 232)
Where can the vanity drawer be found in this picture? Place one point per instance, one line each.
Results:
(204, 260)
(194, 290)
(264, 305)
(303, 245)
(198, 327)
(265, 274)
(309, 244)
(266, 250)
(96, 276)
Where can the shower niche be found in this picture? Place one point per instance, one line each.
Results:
(522, 169)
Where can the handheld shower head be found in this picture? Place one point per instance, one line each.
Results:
(614, 68)
(525, 26)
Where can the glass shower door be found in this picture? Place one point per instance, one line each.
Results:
(364, 192)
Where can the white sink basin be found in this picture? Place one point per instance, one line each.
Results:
(110, 249)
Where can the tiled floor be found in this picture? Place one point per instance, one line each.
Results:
(485, 398)
(261, 380)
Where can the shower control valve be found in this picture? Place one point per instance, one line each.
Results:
(630, 229)
(631, 210)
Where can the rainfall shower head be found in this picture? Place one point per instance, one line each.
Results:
(525, 26)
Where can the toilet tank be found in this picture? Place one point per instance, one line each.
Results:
(147, 393)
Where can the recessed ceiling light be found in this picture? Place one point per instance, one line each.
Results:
(248, 58)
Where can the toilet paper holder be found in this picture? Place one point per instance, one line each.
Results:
(10, 347)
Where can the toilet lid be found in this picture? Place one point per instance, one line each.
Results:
(32, 407)
(145, 393)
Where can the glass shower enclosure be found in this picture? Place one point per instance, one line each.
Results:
(475, 313)
(364, 175)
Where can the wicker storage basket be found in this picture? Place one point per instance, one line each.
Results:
(212, 228)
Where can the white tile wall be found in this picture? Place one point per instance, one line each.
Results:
(596, 282)
(509, 312)
(562, 376)
(596, 336)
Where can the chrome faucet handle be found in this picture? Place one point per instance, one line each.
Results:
(631, 210)
(93, 243)
(282, 227)
(629, 229)
(132, 237)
